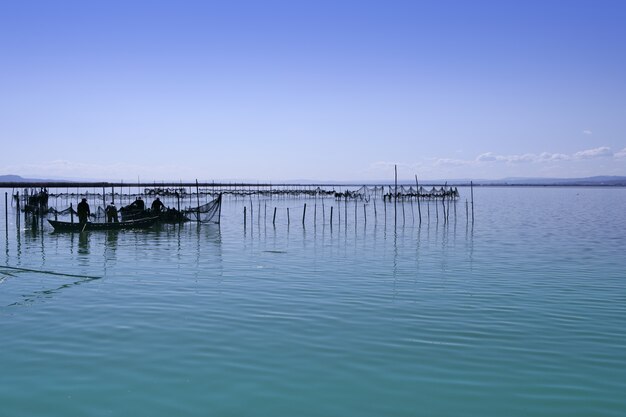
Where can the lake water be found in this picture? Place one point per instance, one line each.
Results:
(522, 313)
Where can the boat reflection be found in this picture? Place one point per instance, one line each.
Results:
(111, 239)
(83, 243)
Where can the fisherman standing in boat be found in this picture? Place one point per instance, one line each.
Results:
(157, 206)
(111, 212)
(138, 204)
(83, 211)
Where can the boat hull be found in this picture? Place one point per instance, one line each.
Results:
(60, 226)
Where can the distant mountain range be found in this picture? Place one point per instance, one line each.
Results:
(591, 181)
(17, 178)
(520, 181)
(8, 180)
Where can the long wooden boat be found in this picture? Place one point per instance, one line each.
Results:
(169, 216)
(144, 223)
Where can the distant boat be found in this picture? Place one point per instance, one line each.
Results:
(144, 223)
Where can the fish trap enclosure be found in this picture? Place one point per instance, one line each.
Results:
(332, 204)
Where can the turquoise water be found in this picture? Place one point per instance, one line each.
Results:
(521, 314)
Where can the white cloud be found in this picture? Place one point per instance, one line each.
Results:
(492, 157)
(587, 132)
(520, 164)
(487, 157)
(527, 157)
(601, 152)
(547, 156)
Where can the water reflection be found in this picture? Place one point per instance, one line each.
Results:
(111, 239)
(83, 243)
(196, 250)
(6, 249)
(367, 233)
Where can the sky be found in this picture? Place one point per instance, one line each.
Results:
(316, 90)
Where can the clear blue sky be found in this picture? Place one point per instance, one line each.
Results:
(327, 90)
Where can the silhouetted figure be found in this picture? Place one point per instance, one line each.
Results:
(157, 206)
(111, 212)
(138, 204)
(83, 211)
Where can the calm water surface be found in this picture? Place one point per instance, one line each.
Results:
(521, 314)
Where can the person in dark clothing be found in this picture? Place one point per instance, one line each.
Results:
(83, 211)
(157, 206)
(139, 204)
(111, 212)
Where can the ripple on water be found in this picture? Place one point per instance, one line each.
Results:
(523, 314)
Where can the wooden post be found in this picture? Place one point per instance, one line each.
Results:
(303, 214)
(466, 211)
(287, 216)
(323, 213)
(112, 194)
(364, 214)
(244, 217)
(17, 207)
(6, 212)
(274, 218)
(198, 200)
(345, 211)
(71, 213)
(472, 192)
(331, 216)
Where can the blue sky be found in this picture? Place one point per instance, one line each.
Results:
(326, 90)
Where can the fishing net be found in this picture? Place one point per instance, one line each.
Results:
(206, 213)
(98, 214)
(65, 212)
(445, 192)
